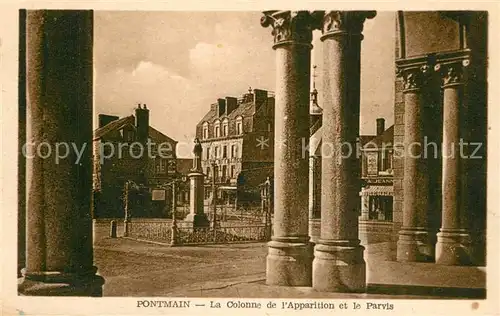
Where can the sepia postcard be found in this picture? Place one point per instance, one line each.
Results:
(250, 158)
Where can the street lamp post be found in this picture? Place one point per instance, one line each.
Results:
(214, 195)
(127, 210)
(173, 239)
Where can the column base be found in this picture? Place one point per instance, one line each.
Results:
(289, 262)
(198, 220)
(339, 266)
(454, 247)
(414, 245)
(60, 284)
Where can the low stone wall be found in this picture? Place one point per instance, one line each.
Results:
(150, 229)
(371, 231)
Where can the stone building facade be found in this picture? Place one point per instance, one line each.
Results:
(375, 221)
(237, 136)
(121, 154)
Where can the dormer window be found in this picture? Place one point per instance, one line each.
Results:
(225, 127)
(239, 125)
(205, 130)
(217, 128)
(128, 135)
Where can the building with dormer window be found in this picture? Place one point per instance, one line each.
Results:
(237, 135)
(118, 158)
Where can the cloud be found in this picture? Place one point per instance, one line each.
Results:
(178, 63)
(170, 97)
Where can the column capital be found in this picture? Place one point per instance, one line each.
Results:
(414, 78)
(344, 22)
(291, 27)
(452, 73)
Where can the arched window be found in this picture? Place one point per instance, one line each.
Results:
(225, 127)
(217, 128)
(205, 130)
(239, 125)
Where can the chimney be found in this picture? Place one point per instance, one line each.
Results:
(142, 122)
(221, 109)
(380, 126)
(248, 97)
(106, 119)
(259, 96)
(231, 104)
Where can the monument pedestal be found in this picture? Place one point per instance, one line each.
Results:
(197, 214)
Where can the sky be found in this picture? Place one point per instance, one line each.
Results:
(178, 63)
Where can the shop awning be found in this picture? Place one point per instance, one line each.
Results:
(227, 188)
(378, 190)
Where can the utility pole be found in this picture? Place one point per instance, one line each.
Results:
(127, 209)
(173, 239)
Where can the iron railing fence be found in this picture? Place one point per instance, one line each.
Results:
(183, 233)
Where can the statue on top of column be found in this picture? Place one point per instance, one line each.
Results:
(197, 150)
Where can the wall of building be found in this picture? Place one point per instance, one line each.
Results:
(111, 174)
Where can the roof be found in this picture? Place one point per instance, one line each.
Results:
(315, 142)
(365, 139)
(156, 135)
(184, 165)
(384, 139)
(377, 190)
(244, 109)
(114, 126)
(315, 127)
(129, 121)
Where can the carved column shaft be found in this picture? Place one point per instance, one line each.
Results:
(59, 257)
(338, 264)
(453, 245)
(290, 253)
(414, 243)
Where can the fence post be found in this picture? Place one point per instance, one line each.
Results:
(112, 230)
(268, 210)
(127, 211)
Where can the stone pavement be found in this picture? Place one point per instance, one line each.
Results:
(133, 268)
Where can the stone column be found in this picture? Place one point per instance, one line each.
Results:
(338, 256)
(21, 158)
(453, 245)
(414, 243)
(59, 254)
(290, 253)
(197, 214)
